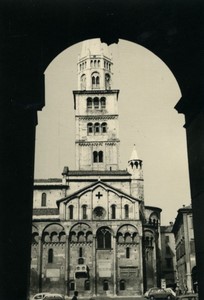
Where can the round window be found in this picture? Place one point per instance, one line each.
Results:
(99, 212)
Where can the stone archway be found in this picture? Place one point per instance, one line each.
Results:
(33, 33)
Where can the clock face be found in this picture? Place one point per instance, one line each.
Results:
(99, 212)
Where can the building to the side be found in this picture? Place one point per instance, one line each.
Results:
(185, 250)
(91, 229)
(168, 256)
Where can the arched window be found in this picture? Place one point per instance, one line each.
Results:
(50, 256)
(105, 285)
(71, 212)
(122, 285)
(81, 261)
(96, 128)
(126, 207)
(89, 103)
(107, 82)
(95, 80)
(87, 285)
(113, 210)
(44, 199)
(95, 156)
(71, 285)
(83, 82)
(99, 63)
(100, 156)
(104, 127)
(80, 252)
(104, 238)
(103, 102)
(90, 128)
(96, 103)
(127, 252)
(84, 211)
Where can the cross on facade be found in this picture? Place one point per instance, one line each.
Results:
(99, 195)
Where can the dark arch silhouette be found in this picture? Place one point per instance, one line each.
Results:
(33, 34)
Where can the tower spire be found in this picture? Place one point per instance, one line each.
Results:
(134, 155)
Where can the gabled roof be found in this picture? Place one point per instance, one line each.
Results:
(92, 187)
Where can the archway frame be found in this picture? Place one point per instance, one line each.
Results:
(35, 32)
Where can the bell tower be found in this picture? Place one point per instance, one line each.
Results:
(96, 110)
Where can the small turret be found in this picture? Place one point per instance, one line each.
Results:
(65, 175)
(135, 169)
(134, 163)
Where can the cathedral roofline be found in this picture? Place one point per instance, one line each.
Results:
(99, 182)
(85, 173)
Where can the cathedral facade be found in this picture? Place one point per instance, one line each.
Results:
(91, 229)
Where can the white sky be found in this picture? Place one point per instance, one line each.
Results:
(147, 118)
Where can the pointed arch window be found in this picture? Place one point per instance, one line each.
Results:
(104, 127)
(103, 102)
(89, 128)
(104, 238)
(113, 211)
(50, 256)
(71, 212)
(44, 199)
(89, 103)
(96, 128)
(84, 211)
(96, 103)
(126, 207)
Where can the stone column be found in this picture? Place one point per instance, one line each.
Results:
(114, 266)
(94, 267)
(40, 255)
(67, 265)
(141, 263)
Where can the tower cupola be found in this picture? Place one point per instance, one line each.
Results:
(94, 66)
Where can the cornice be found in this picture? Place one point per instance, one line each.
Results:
(97, 117)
